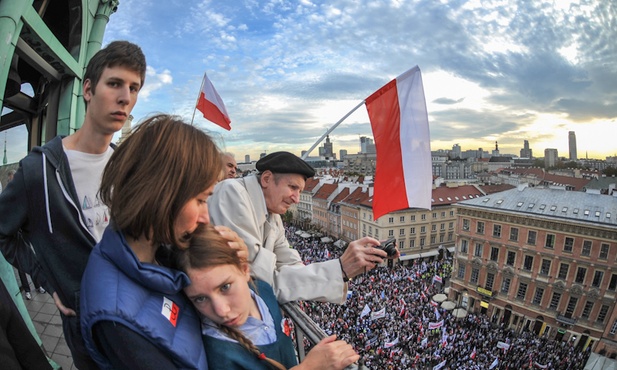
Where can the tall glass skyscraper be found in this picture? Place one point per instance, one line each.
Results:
(572, 145)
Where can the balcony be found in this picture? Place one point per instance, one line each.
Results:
(306, 328)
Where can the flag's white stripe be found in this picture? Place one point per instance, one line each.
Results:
(414, 138)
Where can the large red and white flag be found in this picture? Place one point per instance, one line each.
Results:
(403, 174)
(211, 105)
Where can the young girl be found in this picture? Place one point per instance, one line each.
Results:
(241, 321)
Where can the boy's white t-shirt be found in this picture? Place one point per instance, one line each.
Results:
(87, 171)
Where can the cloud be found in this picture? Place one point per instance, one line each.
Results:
(154, 81)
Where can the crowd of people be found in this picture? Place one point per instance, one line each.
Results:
(393, 323)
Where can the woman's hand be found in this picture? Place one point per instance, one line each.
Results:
(234, 241)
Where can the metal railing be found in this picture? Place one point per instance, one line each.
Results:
(305, 327)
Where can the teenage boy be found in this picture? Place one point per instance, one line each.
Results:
(52, 202)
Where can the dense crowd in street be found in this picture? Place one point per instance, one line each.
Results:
(391, 320)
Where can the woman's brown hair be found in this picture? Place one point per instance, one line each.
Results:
(207, 248)
(161, 165)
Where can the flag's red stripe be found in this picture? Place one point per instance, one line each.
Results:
(384, 113)
(212, 112)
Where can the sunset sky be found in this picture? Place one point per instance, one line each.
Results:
(503, 71)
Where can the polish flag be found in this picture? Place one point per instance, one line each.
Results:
(403, 174)
(211, 105)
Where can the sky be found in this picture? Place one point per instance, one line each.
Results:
(504, 71)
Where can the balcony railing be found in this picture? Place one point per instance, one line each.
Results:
(306, 328)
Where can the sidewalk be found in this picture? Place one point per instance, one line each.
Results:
(48, 324)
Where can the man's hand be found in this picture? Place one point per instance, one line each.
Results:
(62, 308)
(234, 241)
(361, 256)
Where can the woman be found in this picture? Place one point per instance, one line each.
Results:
(156, 184)
(242, 326)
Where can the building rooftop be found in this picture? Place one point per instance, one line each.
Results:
(553, 203)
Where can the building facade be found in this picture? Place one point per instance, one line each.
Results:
(541, 260)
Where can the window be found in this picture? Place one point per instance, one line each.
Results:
(563, 271)
(494, 254)
(465, 224)
(475, 273)
(568, 244)
(434, 227)
(586, 251)
(480, 227)
(432, 239)
(412, 230)
(412, 217)
(443, 214)
(390, 233)
(490, 280)
(497, 231)
(604, 248)
(602, 314)
(391, 220)
(537, 298)
(478, 251)
(571, 306)
(587, 310)
(613, 283)
(550, 241)
(514, 234)
(531, 237)
(461, 272)
(511, 258)
(442, 226)
(614, 328)
(412, 243)
(450, 236)
(401, 232)
(422, 229)
(528, 263)
(401, 244)
(464, 246)
(401, 219)
(422, 241)
(441, 238)
(423, 217)
(580, 275)
(451, 225)
(522, 291)
(545, 269)
(555, 301)
(434, 215)
(505, 285)
(597, 278)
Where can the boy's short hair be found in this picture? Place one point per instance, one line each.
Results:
(117, 53)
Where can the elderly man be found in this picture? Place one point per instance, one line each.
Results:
(251, 206)
(230, 167)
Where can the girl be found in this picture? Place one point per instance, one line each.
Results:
(241, 321)
(156, 184)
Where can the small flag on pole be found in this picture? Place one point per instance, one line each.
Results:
(211, 105)
(403, 174)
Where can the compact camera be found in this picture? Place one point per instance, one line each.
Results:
(389, 246)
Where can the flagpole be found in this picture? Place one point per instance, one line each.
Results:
(330, 129)
(198, 94)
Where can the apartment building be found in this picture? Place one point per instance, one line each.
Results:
(541, 260)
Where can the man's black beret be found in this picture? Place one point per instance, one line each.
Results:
(284, 162)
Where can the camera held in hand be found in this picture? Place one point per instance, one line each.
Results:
(389, 246)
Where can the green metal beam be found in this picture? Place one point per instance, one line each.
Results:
(47, 45)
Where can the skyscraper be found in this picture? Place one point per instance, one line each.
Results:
(572, 145)
(526, 151)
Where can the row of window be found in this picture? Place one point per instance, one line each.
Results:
(521, 294)
(549, 241)
(412, 218)
(527, 264)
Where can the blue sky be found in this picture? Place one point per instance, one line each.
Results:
(503, 71)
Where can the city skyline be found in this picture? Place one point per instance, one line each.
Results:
(288, 70)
